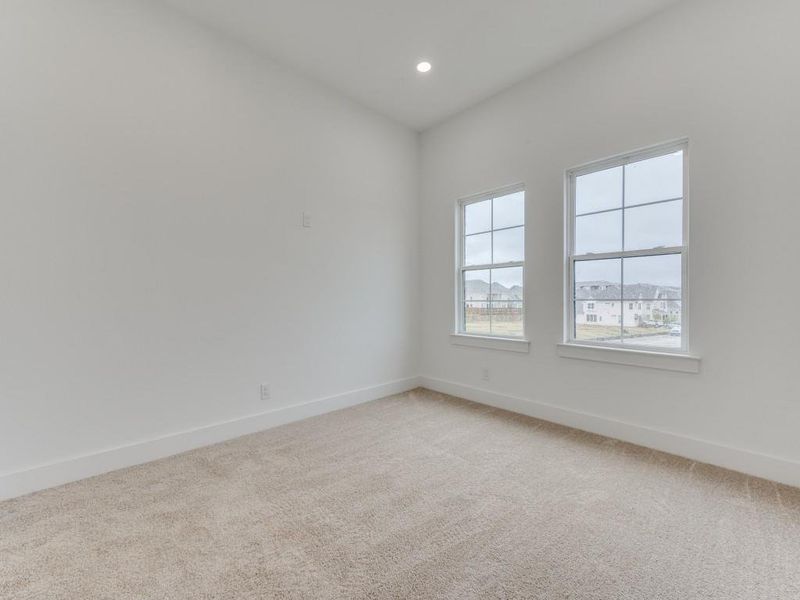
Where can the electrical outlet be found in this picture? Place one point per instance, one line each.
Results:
(485, 374)
(266, 392)
(306, 219)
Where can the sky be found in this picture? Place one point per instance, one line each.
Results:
(657, 179)
(655, 270)
(506, 213)
(641, 207)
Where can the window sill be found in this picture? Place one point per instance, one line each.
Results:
(492, 343)
(637, 358)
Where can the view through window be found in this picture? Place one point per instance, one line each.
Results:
(628, 251)
(491, 265)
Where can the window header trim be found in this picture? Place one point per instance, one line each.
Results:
(488, 195)
(627, 158)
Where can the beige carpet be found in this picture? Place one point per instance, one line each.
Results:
(414, 496)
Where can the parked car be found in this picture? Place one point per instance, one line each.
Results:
(676, 330)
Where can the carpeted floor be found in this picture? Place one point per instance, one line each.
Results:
(418, 495)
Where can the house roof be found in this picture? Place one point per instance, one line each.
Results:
(606, 290)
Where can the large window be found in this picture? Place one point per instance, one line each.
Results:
(627, 251)
(491, 256)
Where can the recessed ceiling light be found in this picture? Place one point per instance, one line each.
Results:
(424, 66)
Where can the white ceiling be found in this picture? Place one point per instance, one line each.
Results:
(368, 49)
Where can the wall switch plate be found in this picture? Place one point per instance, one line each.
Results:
(266, 392)
(306, 219)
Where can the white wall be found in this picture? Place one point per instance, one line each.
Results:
(153, 266)
(154, 270)
(725, 74)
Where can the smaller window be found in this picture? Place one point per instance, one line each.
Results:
(491, 264)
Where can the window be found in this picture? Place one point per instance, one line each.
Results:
(627, 251)
(491, 258)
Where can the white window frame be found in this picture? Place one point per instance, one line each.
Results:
(571, 257)
(460, 330)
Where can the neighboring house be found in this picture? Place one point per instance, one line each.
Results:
(599, 304)
(477, 295)
(645, 304)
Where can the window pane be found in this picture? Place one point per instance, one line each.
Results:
(509, 210)
(598, 279)
(598, 321)
(507, 318)
(476, 302)
(659, 178)
(655, 325)
(507, 284)
(478, 217)
(476, 318)
(598, 191)
(598, 233)
(478, 249)
(654, 226)
(476, 286)
(652, 277)
(509, 245)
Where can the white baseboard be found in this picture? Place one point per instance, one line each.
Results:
(80, 467)
(760, 465)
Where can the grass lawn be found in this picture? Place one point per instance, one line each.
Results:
(584, 331)
(501, 328)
